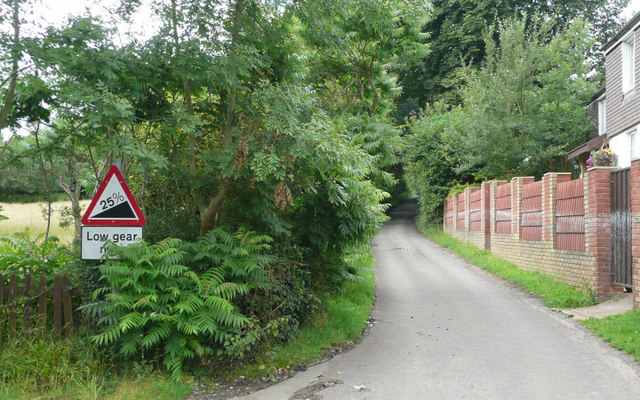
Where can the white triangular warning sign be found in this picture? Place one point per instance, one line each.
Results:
(113, 204)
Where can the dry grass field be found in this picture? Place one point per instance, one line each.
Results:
(29, 216)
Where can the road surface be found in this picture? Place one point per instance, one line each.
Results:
(446, 330)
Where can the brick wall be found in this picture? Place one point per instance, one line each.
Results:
(570, 242)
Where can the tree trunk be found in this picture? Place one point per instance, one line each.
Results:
(15, 55)
(208, 213)
(47, 186)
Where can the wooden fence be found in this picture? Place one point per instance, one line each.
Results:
(532, 211)
(474, 210)
(503, 208)
(26, 306)
(460, 217)
(570, 216)
(449, 212)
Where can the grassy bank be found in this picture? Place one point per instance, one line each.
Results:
(552, 292)
(622, 331)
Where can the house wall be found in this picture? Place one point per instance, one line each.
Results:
(592, 112)
(588, 268)
(622, 112)
(620, 144)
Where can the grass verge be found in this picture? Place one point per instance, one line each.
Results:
(46, 368)
(553, 293)
(621, 331)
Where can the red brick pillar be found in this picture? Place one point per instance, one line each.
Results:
(635, 231)
(516, 202)
(598, 226)
(486, 214)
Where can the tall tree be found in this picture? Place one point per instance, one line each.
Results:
(520, 113)
(457, 31)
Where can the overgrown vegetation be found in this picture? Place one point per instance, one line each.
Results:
(551, 291)
(621, 330)
(24, 255)
(519, 114)
(338, 321)
(77, 368)
(180, 299)
(241, 116)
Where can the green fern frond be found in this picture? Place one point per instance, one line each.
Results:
(155, 335)
(131, 321)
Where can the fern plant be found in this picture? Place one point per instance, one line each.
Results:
(179, 298)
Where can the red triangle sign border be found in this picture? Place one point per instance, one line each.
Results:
(140, 220)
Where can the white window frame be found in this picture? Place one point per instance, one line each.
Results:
(629, 63)
(632, 144)
(602, 117)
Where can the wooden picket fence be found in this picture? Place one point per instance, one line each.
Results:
(29, 303)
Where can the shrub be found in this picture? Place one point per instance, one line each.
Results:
(179, 298)
(22, 255)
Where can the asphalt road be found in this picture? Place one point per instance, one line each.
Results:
(446, 330)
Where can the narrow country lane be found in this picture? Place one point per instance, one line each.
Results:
(446, 330)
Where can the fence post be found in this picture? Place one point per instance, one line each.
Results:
(598, 226)
(486, 213)
(27, 304)
(635, 231)
(458, 211)
(13, 289)
(516, 202)
(467, 211)
(42, 303)
(57, 306)
(550, 182)
(66, 298)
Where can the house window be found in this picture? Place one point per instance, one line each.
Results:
(632, 145)
(602, 117)
(628, 63)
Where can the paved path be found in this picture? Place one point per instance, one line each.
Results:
(446, 330)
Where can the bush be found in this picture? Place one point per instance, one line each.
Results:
(179, 299)
(22, 255)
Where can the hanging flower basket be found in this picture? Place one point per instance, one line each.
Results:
(602, 158)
